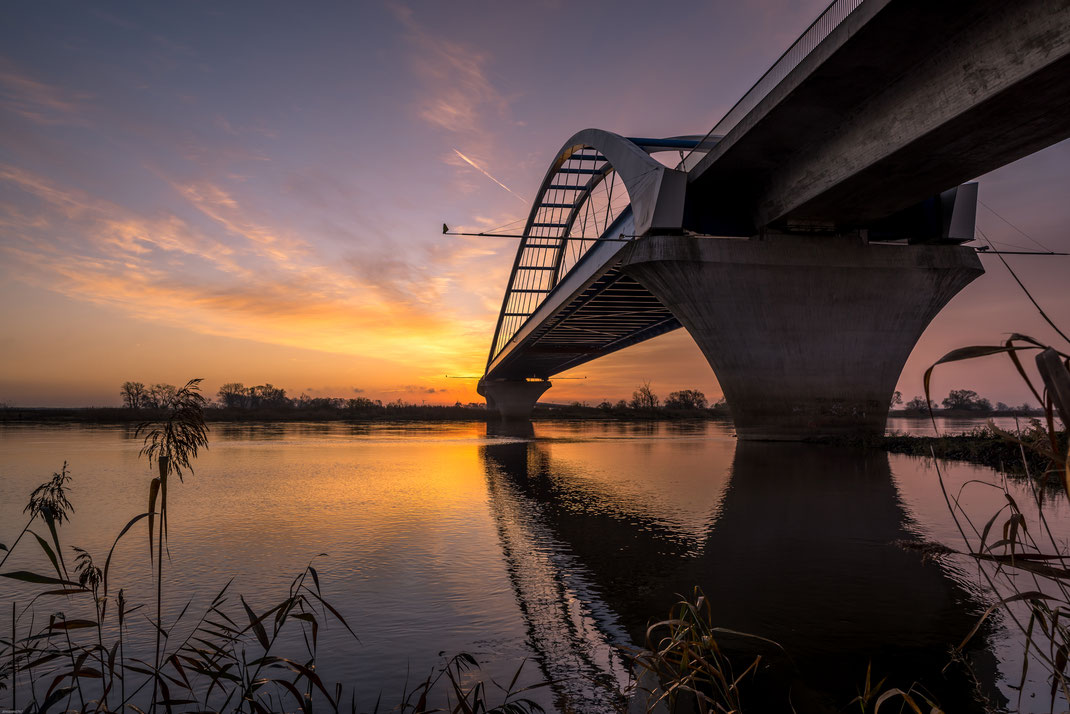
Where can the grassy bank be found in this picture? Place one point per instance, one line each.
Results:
(980, 446)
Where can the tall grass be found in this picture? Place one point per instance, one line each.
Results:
(1025, 567)
(232, 657)
(686, 665)
(68, 647)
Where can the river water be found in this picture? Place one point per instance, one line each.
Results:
(556, 548)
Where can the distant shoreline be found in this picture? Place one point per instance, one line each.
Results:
(124, 415)
(978, 447)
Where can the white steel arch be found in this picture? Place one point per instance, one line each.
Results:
(591, 160)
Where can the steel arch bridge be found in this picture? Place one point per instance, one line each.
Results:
(842, 172)
(566, 302)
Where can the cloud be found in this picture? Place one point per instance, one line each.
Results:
(415, 389)
(37, 101)
(107, 227)
(241, 278)
(456, 89)
(220, 206)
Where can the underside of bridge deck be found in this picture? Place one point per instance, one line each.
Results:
(903, 100)
(611, 313)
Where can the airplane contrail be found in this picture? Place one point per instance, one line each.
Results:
(483, 171)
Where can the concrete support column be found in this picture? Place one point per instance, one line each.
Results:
(807, 336)
(513, 400)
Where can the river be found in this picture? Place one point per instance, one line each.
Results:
(553, 548)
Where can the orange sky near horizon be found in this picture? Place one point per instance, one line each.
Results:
(256, 196)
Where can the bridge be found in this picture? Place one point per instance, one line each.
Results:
(807, 240)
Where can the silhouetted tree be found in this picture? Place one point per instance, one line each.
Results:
(919, 405)
(267, 395)
(644, 398)
(160, 396)
(233, 395)
(364, 403)
(308, 402)
(133, 394)
(686, 399)
(966, 400)
(621, 404)
(897, 398)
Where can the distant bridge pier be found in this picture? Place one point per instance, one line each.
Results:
(807, 336)
(512, 399)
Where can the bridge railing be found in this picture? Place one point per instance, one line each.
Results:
(821, 28)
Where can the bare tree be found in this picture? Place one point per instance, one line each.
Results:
(134, 395)
(919, 405)
(160, 396)
(644, 398)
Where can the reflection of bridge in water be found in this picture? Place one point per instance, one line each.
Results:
(809, 238)
(785, 552)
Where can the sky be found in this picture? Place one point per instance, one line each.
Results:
(254, 192)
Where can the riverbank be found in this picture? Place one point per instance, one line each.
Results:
(981, 446)
(407, 413)
(978, 446)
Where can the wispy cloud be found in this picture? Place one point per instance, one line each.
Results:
(456, 88)
(37, 101)
(216, 203)
(457, 95)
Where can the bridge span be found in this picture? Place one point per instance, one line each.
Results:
(809, 238)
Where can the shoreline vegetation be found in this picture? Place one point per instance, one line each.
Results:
(266, 403)
(238, 404)
(424, 412)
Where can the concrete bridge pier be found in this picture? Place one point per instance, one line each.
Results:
(807, 336)
(512, 399)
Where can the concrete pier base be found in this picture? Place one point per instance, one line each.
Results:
(807, 336)
(513, 400)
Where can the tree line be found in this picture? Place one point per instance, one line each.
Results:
(960, 400)
(644, 399)
(235, 395)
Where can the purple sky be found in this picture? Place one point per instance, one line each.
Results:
(254, 191)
